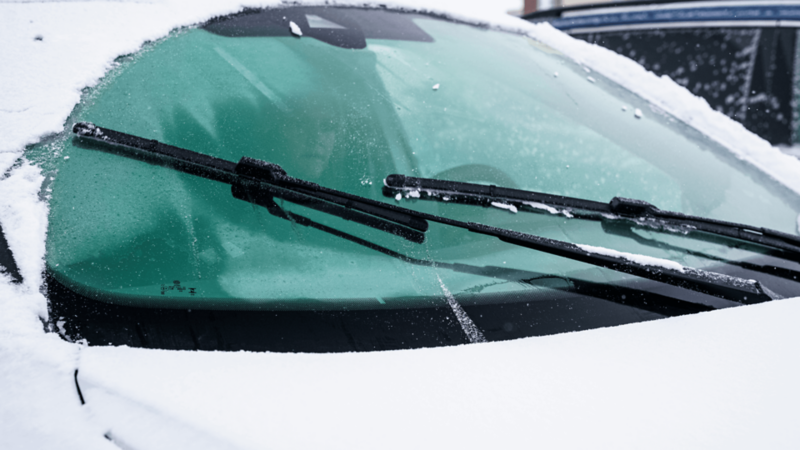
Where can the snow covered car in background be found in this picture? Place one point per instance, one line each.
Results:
(741, 56)
(338, 180)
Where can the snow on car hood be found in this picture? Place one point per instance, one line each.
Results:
(725, 379)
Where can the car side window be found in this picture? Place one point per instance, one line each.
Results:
(745, 73)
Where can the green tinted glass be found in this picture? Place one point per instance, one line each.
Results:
(459, 103)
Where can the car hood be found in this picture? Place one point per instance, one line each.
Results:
(687, 380)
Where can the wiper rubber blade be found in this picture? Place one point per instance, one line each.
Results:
(254, 180)
(640, 212)
(259, 181)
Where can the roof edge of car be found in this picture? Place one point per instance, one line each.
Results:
(557, 12)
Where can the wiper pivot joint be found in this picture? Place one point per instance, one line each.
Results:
(257, 168)
(631, 206)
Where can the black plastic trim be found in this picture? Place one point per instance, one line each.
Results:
(7, 263)
(78, 388)
(569, 305)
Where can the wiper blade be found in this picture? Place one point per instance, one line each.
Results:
(259, 181)
(254, 180)
(619, 208)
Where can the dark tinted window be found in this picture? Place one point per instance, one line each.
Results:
(745, 73)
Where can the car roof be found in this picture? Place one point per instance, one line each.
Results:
(671, 14)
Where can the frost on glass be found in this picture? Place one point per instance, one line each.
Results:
(712, 63)
(745, 73)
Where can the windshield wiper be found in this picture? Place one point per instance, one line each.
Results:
(636, 298)
(251, 176)
(639, 212)
(258, 182)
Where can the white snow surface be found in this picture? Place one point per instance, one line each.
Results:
(633, 257)
(548, 208)
(505, 206)
(726, 379)
(295, 29)
(721, 380)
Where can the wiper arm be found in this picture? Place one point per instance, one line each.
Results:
(640, 212)
(252, 179)
(648, 301)
(625, 229)
(259, 181)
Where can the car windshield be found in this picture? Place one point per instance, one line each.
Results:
(344, 97)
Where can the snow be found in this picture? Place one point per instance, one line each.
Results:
(295, 29)
(721, 380)
(637, 113)
(548, 208)
(725, 379)
(474, 334)
(39, 407)
(506, 206)
(23, 218)
(639, 259)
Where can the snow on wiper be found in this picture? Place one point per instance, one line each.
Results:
(258, 182)
(637, 211)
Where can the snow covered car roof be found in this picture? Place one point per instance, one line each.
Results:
(687, 373)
